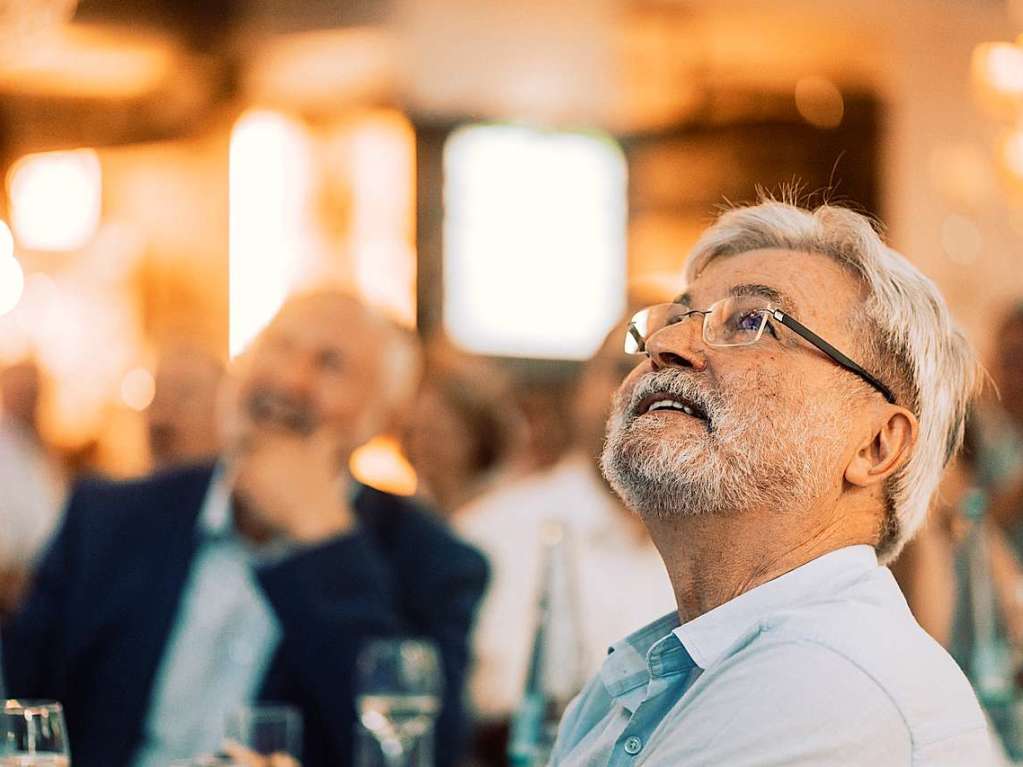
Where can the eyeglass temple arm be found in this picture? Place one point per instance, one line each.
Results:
(831, 351)
(637, 337)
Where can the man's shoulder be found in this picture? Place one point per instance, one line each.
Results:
(119, 501)
(101, 488)
(411, 531)
(869, 632)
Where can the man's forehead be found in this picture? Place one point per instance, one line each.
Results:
(327, 327)
(795, 281)
(771, 296)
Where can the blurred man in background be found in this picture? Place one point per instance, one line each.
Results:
(463, 431)
(181, 421)
(31, 482)
(774, 472)
(166, 603)
(1000, 452)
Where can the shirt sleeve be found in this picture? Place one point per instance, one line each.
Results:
(790, 704)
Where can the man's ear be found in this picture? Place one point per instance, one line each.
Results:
(888, 447)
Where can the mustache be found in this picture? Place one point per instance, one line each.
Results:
(676, 384)
(270, 408)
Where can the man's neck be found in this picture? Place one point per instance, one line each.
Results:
(712, 559)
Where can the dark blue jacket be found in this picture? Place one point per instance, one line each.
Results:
(95, 626)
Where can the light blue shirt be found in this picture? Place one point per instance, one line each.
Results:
(824, 665)
(224, 637)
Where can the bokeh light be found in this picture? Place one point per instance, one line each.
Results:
(820, 102)
(381, 464)
(999, 66)
(55, 199)
(12, 278)
(138, 388)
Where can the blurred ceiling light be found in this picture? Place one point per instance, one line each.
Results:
(12, 278)
(55, 199)
(999, 67)
(269, 186)
(83, 61)
(534, 240)
(819, 101)
(138, 388)
(1012, 154)
(26, 23)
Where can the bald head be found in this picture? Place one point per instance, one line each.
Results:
(326, 360)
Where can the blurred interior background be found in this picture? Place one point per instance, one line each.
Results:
(496, 172)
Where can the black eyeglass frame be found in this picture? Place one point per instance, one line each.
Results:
(804, 332)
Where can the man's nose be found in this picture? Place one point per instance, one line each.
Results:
(678, 346)
(297, 375)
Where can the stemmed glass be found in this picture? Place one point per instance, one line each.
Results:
(33, 734)
(398, 696)
(273, 731)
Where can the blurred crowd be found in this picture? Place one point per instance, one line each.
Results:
(189, 592)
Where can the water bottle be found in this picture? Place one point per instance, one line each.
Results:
(555, 665)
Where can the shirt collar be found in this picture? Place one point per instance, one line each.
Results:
(710, 636)
(664, 647)
(215, 518)
(651, 651)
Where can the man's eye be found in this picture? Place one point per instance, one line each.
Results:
(749, 321)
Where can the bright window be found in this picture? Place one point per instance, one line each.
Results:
(268, 196)
(534, 240)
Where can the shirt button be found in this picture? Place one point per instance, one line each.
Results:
(633, 745)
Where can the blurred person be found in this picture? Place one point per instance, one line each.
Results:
(181, 421)
(462, 431)
(1000, 430)
(774, 474)
(619, 577)
(31, 482)
(167, 602)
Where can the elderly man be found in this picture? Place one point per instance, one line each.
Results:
(774, 473)
(167, 602)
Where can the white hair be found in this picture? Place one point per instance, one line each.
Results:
(908, 337)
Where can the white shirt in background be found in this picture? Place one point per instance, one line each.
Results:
(31, 496)
(619, 576)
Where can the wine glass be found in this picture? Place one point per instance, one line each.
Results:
(398, 696)
(33, 734)
(269, 730)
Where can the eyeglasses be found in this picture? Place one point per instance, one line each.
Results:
(735, 321)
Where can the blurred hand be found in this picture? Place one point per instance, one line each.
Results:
(291, 483)
(241, 755)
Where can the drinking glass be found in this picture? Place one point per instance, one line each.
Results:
(33, 734)
(269, 730)
(398, 696)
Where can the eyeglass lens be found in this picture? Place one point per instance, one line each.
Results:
(733, 321)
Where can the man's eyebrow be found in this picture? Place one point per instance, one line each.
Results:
(683, 298)
(775, 296)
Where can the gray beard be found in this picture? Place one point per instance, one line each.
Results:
(739, 461)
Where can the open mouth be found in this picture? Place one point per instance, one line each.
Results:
(664, 402)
